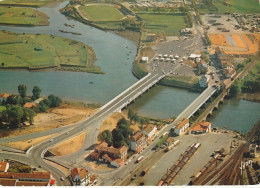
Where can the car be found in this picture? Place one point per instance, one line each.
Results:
(67, 132)
(62, 178)
(51, 140)
(39, 166)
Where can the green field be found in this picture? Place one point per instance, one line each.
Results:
(167, 24)
(238, 6)
(22, 16)
(29, 2)
(2, 108)
(42, 51)
(101, 12)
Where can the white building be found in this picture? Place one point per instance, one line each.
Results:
(181, 127)
(145, 59)
(204, 80)
(80, 177)
(150, 131)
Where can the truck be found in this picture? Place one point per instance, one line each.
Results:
(173, 145)
(139, 159)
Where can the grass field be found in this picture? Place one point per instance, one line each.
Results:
(101, 12)
(29, 2)
(22, 16)
(163, 23)
(37, 51)
(2, 108)
(238, 6)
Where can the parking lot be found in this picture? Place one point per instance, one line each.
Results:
(209, 143)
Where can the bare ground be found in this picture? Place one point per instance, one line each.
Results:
(69, 146)
(111, 122)
(53, 118)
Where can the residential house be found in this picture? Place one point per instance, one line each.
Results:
(109, 154)
(137, 142)
(204, 80)
(145, 59)
(25, 179)
(80, 176)
(181, 127)
(3, 97)
(4, 166)
(201, 127)
(29, 105)
(149, 131)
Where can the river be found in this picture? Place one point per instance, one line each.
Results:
(113, 52)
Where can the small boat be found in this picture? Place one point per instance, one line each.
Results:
(91, 82)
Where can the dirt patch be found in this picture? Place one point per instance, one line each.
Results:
(96, 165)
(111, 122)
(218, 39)
(26, 144)
(240, 43)
(53, 118)
(70, 146)
(134, 128)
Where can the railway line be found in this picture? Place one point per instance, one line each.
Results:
(176, 168)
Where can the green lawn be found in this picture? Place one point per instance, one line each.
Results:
(34, 51)
(238, 6)
(22, 15)
(2, 108)
(29, 2)
(163, 23)
(101, 12)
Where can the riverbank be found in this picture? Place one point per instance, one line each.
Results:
(253, 97)
(30, 3)
(38, 52)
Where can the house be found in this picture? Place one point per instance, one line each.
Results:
(4, 166)
(37, 101)
(137, 142)
(150, 37)
(109, 154)
(150, 131)
(25, 179)
(181, 127)
(145, 59)
(204, 80)
(194, 56)
(3, 97)
(229, 72)
(29, 105)
(201, 127)
(80, 176)
(117, 163)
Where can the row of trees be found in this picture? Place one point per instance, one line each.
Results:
(22, 89)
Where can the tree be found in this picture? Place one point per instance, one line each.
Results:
(13, 115)
(22, 90)
(107, 137)
(235, 89)
(12, 99)
(36, 92)
(28, 115)
(54, 101)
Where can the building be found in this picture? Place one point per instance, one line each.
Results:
(80, 177)
(4, 166)
(25, 179)
(204, 80)
(181, 127)
(201, 127)
(3, 97)
(150, 37)
(145, 59)
(150, 131)
(137, 142)
(29, 105)
(194, 56)
(229, 72)
(109, 154)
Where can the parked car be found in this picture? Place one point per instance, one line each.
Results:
(62, 178)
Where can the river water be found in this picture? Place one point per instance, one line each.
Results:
(115, 56)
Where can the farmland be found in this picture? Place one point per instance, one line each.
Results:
(236, 6)
(29, 51)
(167, 24)
(22, 16)
(101, 12)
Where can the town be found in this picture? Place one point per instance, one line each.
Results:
(87, 86)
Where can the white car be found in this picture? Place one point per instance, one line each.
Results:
(51, 140)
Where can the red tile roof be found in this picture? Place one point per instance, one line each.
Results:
(5, 95)
(120, 162)
(29, 105)
(81, 172)
(36, 175)
(182, 123)
(137, 137)
(201, 126)
(7, 182)
(103, 147)
(3, 166)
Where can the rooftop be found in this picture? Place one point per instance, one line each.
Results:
(149, 128)
(29, 105)
(81, 172)
(3, 166)
(182, 123)
(5, 95)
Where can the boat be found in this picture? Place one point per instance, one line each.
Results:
(91, 82)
